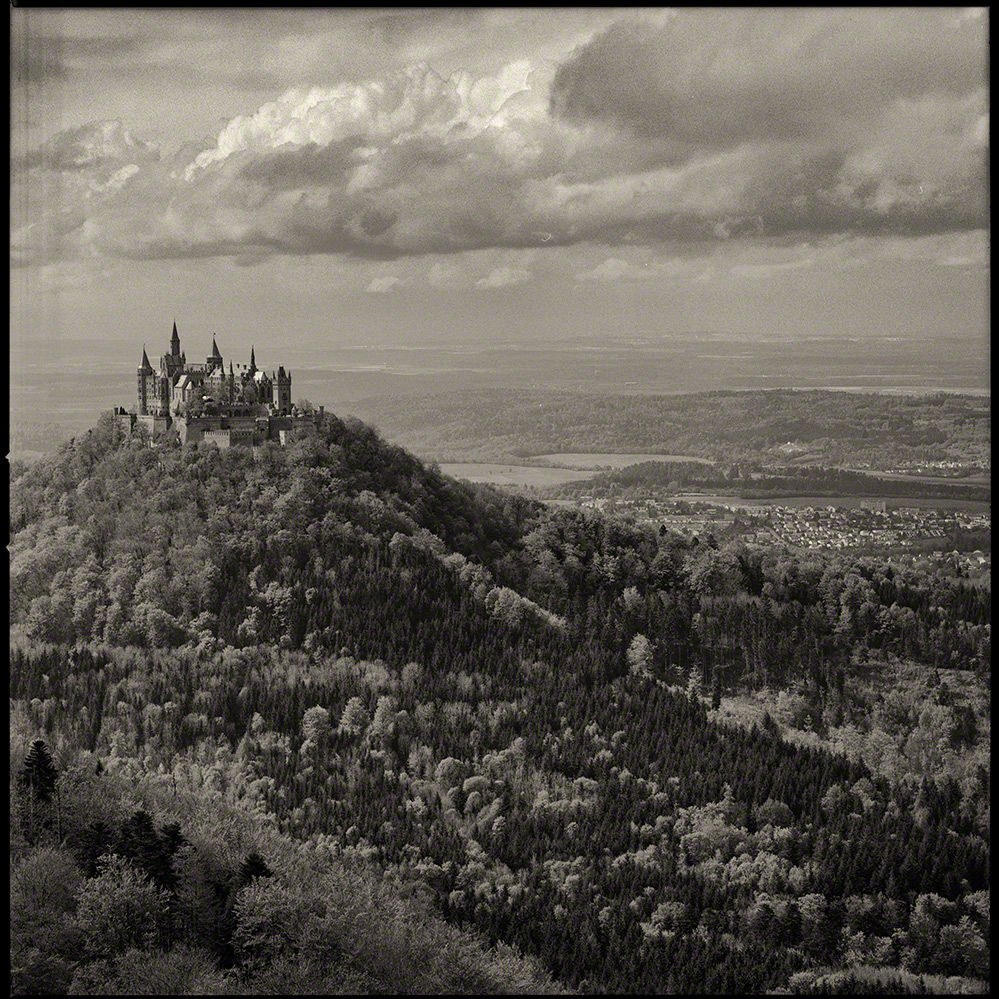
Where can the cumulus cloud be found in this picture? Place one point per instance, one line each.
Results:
(382, 285)
(501, 277)
(834, 121)
(63, 187)
(101, 144)
(698, 128)
(615, 269)
(445, 274)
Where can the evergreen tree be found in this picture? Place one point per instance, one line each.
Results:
(254, 866)
(39, 775)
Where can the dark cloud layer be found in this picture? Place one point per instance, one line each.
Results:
(710, 79)
(395, 26)
(37, 58)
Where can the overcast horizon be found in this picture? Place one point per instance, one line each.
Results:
(322, 178)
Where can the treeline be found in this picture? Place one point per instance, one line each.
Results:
(652, 478)
(829, 428)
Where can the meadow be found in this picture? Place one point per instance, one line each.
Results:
(580, 459)
(499, 474)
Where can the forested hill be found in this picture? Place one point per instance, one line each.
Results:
(480, 698)
(869, 430)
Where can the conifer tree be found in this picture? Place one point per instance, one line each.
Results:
(39, 775)
(254, 866)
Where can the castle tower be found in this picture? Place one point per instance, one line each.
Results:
(145, 384)
(253, 363)
(172, 364)
(282, 390)
(215, 359)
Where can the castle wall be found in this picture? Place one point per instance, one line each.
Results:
(247, 424)
(222, 439)
(126, 421)
(155, 424)
(193, 428)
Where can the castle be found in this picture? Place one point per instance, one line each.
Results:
(204, 402)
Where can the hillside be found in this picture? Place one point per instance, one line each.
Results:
(126, 881)
(504, 709)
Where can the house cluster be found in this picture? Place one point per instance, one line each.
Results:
(871, 524)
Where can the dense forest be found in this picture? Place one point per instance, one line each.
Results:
(866, 430)
(524, 720)
(127, 881)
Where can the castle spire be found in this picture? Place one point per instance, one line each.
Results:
(146, 368)
(215, 350)
(253, 361)
(175, 341)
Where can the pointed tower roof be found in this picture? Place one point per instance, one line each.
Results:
(253, 360)
(215, 350)
(146, 368)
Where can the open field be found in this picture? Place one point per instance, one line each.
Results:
(498, 474)
(562, 428)
(978, 480)
(579, 459)
(503, 474)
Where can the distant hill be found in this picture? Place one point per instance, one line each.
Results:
(871, 430)
(29, 440)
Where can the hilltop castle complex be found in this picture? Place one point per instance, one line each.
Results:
(205, 402)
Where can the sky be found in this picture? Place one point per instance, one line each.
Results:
(353, 176)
